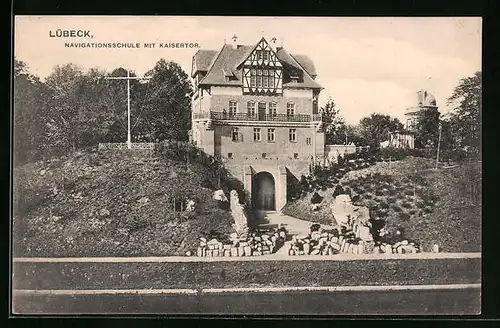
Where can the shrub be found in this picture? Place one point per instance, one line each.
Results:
(392, 199)
(412, 212)
(396, 208)
(406, 205)
(427, 210)
(367, 195)
(384, 205)
(391, 191)
(404, 216)
(316, 198)
(408, 192)
(420, 204)
(379, 192)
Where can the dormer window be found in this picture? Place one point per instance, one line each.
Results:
(266, 55)
(259, 54)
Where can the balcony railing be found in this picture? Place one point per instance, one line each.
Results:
(258, 117)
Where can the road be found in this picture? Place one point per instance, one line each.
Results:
(464, 301)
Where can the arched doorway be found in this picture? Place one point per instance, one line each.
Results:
(263, 191)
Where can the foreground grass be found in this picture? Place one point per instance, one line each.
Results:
(112, 204)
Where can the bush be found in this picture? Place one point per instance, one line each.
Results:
(384, 205)
(396, 208)
(392, 199)
(316, 198)
(406, 205)
(404, 216)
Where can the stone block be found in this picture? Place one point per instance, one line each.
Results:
(234, 251)
(248, 251)
(241, 251)
(306, 248)
(216, 252)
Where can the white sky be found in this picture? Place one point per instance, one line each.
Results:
(365, 64)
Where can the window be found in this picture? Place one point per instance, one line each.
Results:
(308, 141)
(290, 109)
(270, 135)
(253, 82)
(293, 135)
(272, 109)
(233, 106)
(264, 155)
(256, 134)
(264, 79)
(315, 107)
(229, 155)
(271, 79)
(259, 54)
(251, 108)
(266, 55)
(235, 134)
(259, 78)
(295, 155)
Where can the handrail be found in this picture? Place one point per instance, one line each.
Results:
(216, 115)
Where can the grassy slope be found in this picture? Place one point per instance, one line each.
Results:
(60, 207)
(453, 221)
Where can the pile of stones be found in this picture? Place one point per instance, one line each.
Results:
(262, 242)
(401, 247)
(328, 242)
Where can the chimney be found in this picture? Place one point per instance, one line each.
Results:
(273, 44)
(235, 38)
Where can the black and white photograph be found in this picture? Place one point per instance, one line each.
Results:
(246, 165)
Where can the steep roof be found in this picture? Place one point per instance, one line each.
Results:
(308, 82)
(226, 61)
(306, 63)
(218, 64)
(202, 60)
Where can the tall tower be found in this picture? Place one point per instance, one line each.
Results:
(424, 101)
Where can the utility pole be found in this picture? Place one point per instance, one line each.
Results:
(128, 78)
(438, 145)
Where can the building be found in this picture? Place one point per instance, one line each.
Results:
(406, 137)
(256, 108)
(425, 100)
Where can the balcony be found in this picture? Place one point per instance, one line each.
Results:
(222, 116)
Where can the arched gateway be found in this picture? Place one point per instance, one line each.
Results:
(263, 191)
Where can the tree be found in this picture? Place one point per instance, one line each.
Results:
(427, 128)
(29, 114)
(335, 127)
(63, 127)
(465, 118)
(165, 112)
(377, 128)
